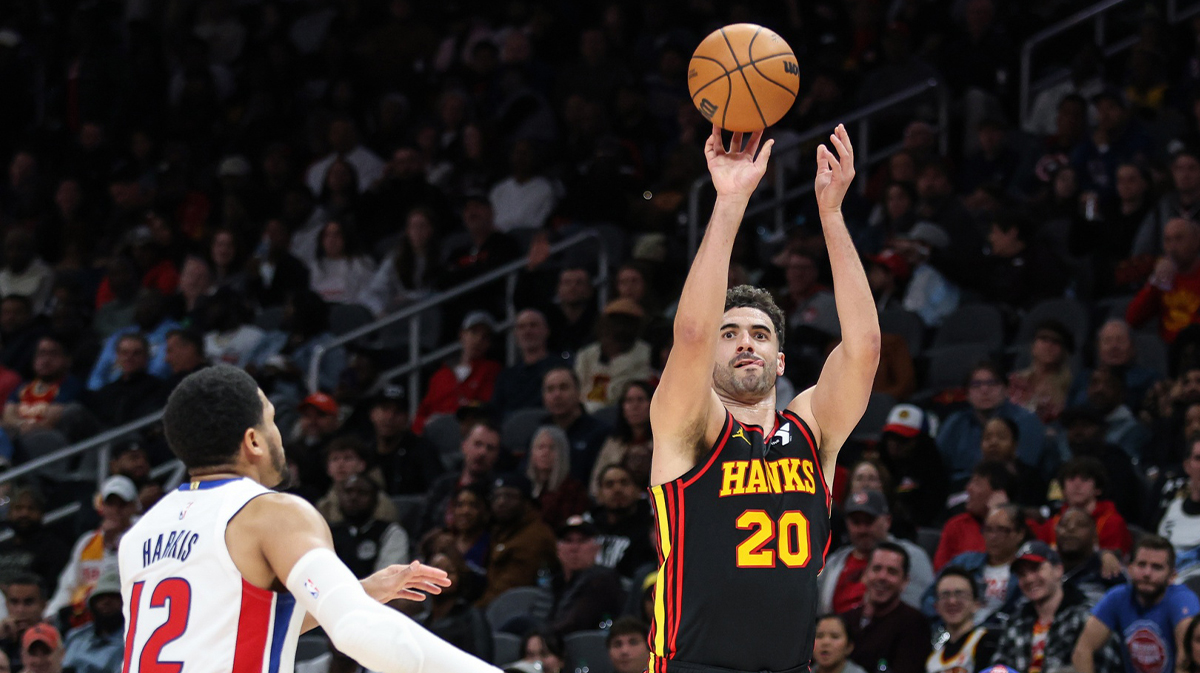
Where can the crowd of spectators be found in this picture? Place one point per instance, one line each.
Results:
(238, 181)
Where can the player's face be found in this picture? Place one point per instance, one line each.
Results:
(748, 358)
(831, 645)
(955, 604)
(1150, 573)
(629, 653)
(270, 433)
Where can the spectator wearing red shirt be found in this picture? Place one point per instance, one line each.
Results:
(1172, 294)
(471, 379)
(1083, 482)
(989, 486)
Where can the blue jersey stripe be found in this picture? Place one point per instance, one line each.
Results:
(285, 603)
(205, 485)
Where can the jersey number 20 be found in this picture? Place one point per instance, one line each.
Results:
(175, 594)
(790, 533)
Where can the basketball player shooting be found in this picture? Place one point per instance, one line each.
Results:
(741, 492)
(223, 574)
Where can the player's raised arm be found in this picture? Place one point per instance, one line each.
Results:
(840, 397)
(685, 409)
(297, 548)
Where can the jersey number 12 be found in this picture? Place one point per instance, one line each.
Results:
(175, 594)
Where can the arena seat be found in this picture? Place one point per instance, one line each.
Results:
(518, 429)
(445, 433)
(532, 601)
(587, 650)
(1067, 311)
(972, 324)
(506, 648)
(905, 323)
(874, 418)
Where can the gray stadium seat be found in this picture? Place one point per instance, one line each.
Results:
(874, 418)
(37, 443)
(1067, 311)
(445, 433)
(950, 365)
(1151, 352)
(905, 323)
(311, 645)
(507, 648)
(518, 429)
(972, 324)
(587, 649)
(344, 318)
(608, 415)
(929, 538)
(532, 601)
(409, 509)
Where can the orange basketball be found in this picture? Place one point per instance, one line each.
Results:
(743, 77)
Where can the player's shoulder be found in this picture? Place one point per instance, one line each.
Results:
(275, 511)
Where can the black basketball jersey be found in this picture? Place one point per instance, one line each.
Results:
(742, 537)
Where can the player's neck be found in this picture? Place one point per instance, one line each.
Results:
(215, 473)
(760, 413)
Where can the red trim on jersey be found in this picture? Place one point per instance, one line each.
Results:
(254, 622)
(135, 603)
(672, 569)
(729, 421)
(679, 562)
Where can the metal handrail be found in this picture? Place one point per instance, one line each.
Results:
(1175, 14)
(862, 153)
(412, 312)
(77, 448)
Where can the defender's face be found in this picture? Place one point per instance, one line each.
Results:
(748, 357)
(274, 439)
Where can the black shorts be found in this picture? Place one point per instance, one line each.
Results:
(674, 666)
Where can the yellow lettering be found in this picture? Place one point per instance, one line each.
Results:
(773, 483)
(734, 480)
(811, 483)
(791, 474)
(757, 481)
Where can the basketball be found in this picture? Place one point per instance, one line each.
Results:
(743, 77)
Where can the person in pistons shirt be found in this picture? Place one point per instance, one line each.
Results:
(1149, 615)
(741, 492)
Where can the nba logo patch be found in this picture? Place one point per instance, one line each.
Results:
(311, 589)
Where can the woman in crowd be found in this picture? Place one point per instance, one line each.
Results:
(340, 268)
(632, 429)
(1043, 386)
(557, 493)
(339, 193)
(407, 274)
(542, 646)
(832, 646)
(466, 533)
(225, 258)
(452, 617)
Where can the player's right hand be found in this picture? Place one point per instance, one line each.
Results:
(735, 172)
(406, 581)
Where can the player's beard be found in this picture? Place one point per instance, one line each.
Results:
(730, 380)
(279, 464)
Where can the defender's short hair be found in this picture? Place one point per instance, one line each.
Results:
(208, 414)
(748, 296)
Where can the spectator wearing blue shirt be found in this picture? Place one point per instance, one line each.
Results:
(960, 437)
(1149, 615)
(150, 319)
(97, 647)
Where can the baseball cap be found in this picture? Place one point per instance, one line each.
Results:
(577, 523)
(514, 480)
(928, 233)
(41, 633)
(1038, 552)
(391, 394)
(109, 583)
(867, 502)
(906, 420)
(322, 402)
(120, 486)
(623, 306)
(477, 318)
(891, 261)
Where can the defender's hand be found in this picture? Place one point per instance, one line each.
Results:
(834, 173)
(400, 581)
(735, 172)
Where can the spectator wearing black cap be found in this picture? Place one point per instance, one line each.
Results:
(469, 379)
(1116, 139)
(1084, 483)
(586, 594)
(522, 544)
(519, 385)
(184, 354)
(365, 542)
(1042, 387)
(408, 463)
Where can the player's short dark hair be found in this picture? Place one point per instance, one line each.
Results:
(748, 296)
(209, 412)
(625, 626)
(997, 475)
(1155, 543)
(1086, 467)
(958, 571)
(841, 620)
(895, 548)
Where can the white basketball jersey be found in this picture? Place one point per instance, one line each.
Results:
(187, 608)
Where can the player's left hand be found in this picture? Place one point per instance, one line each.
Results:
(406, 581)
(834, 173)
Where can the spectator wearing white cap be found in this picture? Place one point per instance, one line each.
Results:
(468, 380)
(95, 552)
(911, 456)
(98, 647)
